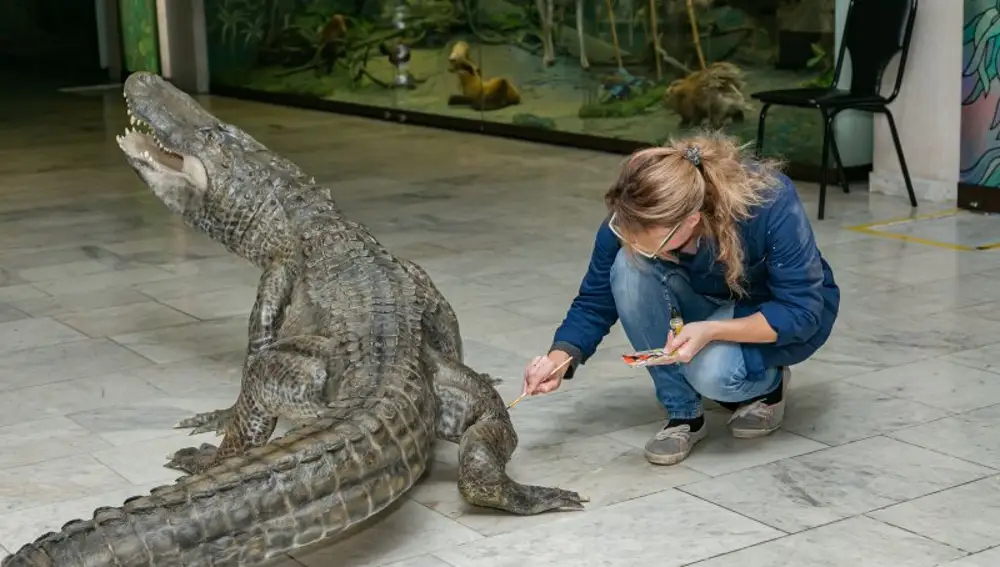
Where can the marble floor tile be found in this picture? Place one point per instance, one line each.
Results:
(171, 344)
(819, 488)
(56, 305)
(54, 480)
(667, 529)
(937, 383)
(133, 422)
(912, 269)
(966, 517)
(177, 287)
(30, 442)
(122, 319)
(840, 412)
(8, 313)
(721, 453)
(988, 558)
(422, 561)
(12, 293)
(103, 280)
(408, 531)
(974, 436)
(23, 334)
(66, 361)
(984, 358)
(230, 302)
(190, 375)
(72, 396)
(858, 542)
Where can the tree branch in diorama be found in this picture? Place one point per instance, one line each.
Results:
(614, 33)
(695, 33)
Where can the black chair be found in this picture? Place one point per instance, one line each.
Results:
(874, 32)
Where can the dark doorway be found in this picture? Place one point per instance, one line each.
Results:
(49, 42)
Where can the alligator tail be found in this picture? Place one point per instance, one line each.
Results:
(311, 483)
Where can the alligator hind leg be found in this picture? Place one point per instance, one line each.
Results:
(472, 413)
(288, 379)
(273, 292)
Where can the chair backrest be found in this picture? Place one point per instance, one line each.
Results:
(874, 32)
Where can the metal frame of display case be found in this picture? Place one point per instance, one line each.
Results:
(798, 171)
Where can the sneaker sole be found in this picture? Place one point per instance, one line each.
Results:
(753, 433)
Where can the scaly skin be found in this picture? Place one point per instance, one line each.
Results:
(357, 346)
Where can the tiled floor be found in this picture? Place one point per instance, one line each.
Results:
(116, 321)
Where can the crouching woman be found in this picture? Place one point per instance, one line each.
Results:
(698, 227)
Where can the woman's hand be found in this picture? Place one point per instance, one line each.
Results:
(539, 377)
(689, 342)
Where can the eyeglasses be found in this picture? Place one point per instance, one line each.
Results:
(651, 255)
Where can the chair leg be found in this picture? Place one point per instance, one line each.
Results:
(760, 130)
(841, 173)
(899, 154)
(824, 163)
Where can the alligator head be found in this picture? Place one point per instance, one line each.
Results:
(214, 175)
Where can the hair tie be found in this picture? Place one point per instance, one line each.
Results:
(693, 155)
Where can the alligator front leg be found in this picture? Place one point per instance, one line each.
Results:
(289, 379)
(273, 293)
(472, 413)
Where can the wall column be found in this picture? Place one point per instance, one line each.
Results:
(183, 45)
(928, 111)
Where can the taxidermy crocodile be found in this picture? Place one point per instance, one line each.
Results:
(355, 345)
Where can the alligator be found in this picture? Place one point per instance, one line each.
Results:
(356, 347)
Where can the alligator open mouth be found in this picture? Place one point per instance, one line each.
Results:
(147, 152)
(140, 143)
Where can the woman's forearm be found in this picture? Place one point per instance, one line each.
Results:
(751, 329)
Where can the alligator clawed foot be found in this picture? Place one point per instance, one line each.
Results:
(538, 499)
(193, 460)
(207, 422)
(523, 500)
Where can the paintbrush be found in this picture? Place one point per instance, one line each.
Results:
(549, 375)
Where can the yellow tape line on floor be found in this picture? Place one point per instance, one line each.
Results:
(869, 228)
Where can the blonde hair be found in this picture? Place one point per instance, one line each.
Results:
(707, 173)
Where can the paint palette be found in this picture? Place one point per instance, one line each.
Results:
(644, 357)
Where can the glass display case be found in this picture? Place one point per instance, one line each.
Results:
(629, 70)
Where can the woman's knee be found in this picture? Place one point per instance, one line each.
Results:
(719, 373)
(635, 284)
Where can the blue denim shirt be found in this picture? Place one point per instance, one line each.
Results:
(789, 282)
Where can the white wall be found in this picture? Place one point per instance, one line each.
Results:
(928, 110)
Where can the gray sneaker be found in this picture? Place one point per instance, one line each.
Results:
(759, 419)
(671, 445)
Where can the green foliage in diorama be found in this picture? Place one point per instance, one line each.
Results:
(640, 102)
(533, 121)
(822, 62)
(139, 35)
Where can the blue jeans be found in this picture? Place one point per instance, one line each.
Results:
(644, 290)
